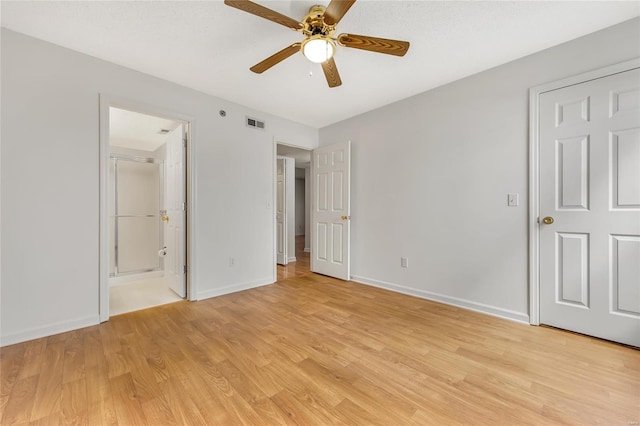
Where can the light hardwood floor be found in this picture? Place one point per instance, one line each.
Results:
(311, 350)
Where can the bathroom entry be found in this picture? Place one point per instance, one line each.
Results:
(147, 229)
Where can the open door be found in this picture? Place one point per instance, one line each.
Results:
(330, 210)
(174, 218)
(282, 257)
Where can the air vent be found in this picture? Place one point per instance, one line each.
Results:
(255, 123)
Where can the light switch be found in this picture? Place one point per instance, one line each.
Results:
(512, 200)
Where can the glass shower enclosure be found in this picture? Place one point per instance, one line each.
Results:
(134, 214)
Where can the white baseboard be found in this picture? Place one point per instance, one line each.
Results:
(49, 330)
(307, 249)
(447, 300)
(291, 259)
(234, 288)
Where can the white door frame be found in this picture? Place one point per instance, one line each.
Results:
(285, 208)
(534, 164)
(107, 101)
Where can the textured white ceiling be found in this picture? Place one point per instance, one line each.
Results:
(134, 130)
(209, 46)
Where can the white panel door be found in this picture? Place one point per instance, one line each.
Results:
(281, 212)
(330, 210)
(590, 188)
(174, 225)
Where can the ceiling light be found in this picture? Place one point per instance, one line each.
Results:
(318, 48)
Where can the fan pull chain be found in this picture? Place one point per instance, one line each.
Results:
(310, 69)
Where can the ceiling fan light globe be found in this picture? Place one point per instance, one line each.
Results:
(318, 50)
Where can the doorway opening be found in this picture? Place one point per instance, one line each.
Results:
(146, 203)
(293, 197)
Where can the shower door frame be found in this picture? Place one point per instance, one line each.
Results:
(106, 101)
(136, 159)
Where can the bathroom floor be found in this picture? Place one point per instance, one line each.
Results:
(140, 294)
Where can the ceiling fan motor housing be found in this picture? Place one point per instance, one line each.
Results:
(313, 23)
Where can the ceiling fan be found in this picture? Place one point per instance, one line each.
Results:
(319, 44)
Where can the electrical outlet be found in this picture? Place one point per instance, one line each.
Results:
(404, 262)
(512, 200)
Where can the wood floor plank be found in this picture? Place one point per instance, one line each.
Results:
(183, 408)
(125, 400)
(357, 415)
(11, 363)
(270, 413)
(242, 384)
(74, 361)
(102, 413)
(49, 390)
(158, 412)
(52, 420)
(302, 408)
(74, 406)
(20, 403)
(33, 358)
(142, 374)
(313, 350)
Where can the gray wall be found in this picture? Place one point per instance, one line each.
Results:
(431, 174)
(50, 181)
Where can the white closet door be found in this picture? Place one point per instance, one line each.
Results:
(590, 197)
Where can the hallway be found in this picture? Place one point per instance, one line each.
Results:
(300, 267)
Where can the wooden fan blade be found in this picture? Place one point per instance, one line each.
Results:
(276, 58)
(331, 73)
(374, 44)
(336, 10)
(264, 12)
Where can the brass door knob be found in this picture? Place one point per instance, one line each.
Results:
(165, 218)
(345, 217)
(547, 220)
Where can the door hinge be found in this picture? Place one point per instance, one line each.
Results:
(184, 207)
(184, 269)
(184, 141)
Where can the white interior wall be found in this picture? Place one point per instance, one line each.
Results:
(431, 174)
(50, 174)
